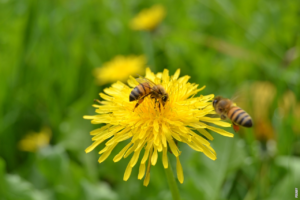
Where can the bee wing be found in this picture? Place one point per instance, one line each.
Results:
(146, 80)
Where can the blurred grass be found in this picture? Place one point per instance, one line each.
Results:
(48, 50)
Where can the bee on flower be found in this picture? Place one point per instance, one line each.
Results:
(146, 88)
(148, 19)
(152, 129)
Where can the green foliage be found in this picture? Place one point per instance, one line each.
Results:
(48, 50)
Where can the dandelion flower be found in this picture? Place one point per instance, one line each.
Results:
(151, 129)
(148, 19)
(34, 141)
(110, 71)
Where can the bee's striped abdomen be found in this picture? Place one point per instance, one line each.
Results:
(239, 117)
(139, 91)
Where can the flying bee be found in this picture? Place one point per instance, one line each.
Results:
(226, 109)
(145, 88)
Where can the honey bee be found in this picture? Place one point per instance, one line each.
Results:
(226, 109)
(145, 88)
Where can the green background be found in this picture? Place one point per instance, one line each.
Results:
(48, 50)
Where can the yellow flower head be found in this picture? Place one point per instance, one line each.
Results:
(110, 71)
(34, 141)
(153, 128)
(148, 19)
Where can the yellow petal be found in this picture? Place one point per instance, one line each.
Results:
(179, 170)
(147, 178)
(141, 171)
(165, 158)
(135, 158)
(132, 82)
(107, 153)
(121, 153)
(176, 75)
(176, 135)
(202, 88)
(216, 121)
(194, 144)
(88, 117)
(143, 133)
(127, 172)
(93, 146)
(131, 149)
(154, 156)
(106, 97)
(170, 140)
(220, 131)
(100, 130)
(209, 153)
(155, 126)
(159, 147)
(107, 134)
(119, 85)
(104, 149)
(148, 72)
(205, 133)
(164, 140)
(199, 138)
(118, 139)
(166, 76)
(183, 80)
(173, 146)
(145, 157)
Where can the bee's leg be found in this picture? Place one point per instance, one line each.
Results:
(155, 100)
(159, 105)
(138, 103)
(223, 116)
(236, 127)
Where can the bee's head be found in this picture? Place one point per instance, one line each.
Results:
(165, 98)
(216, 100)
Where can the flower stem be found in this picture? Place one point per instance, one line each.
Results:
(172, 183)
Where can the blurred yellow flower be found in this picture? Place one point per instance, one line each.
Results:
(34, 141)
(287, 103)
(119, 69)
(148, 19)
(288, 106)
(261, 94)
(296, 125)
(153, 129)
